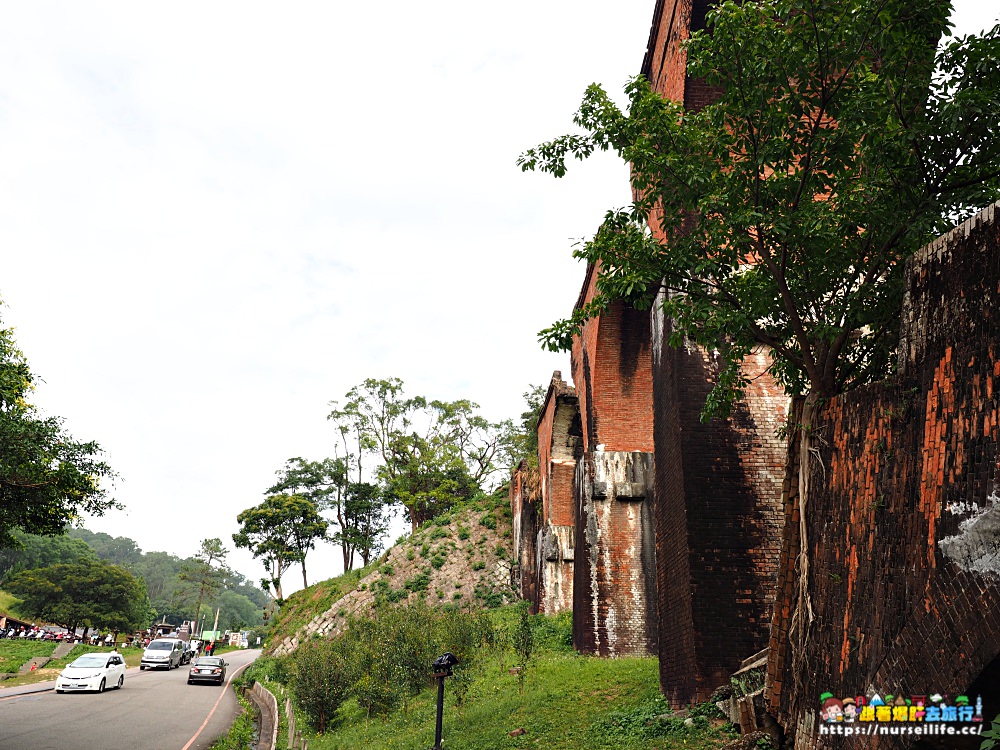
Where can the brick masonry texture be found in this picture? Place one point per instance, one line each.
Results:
(718, 514)
(560, 436)
(903, 514)
(614, 577)
(612, 374)
(614, 587)
(718, 519)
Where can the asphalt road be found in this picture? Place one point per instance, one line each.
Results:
(155, 710)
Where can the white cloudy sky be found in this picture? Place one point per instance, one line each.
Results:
(215, 217)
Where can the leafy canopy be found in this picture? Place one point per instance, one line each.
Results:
(89, 592)
(429, 454)
(47, 478)
(781, 214)
(280, 531)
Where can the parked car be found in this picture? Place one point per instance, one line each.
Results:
(163, 652)
(208, 669)
(92, 672)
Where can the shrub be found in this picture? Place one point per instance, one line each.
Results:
(419, 582)
(488, 520)
(387, 570)
(438, 561)
(463, 533)
(478, 565)
(321, 681)
(375, 696)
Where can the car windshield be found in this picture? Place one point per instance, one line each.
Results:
(90, 660)
(209, 661)
(160, 646)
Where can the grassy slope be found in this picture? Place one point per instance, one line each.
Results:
(458, 553)
(570, 702)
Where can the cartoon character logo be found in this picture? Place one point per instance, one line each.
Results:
(850, 708)
(833, 710)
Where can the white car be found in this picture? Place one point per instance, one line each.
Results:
(93, 672)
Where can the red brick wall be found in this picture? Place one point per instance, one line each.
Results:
(903, 516)
(718, 520)
(718, 509)
(559, 439)
(612, 373)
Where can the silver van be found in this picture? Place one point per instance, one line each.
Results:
(163, 652)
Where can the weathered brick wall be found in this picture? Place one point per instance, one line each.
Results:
(559, 444)
(718, 519)
(614, 577)
(614, 603)
(718, 507)
(525, 512)
(613, 376)
(903, 511)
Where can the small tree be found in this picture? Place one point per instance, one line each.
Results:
(321, 681)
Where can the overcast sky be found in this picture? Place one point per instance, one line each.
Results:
(216, 217)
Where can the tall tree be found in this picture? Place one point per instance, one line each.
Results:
(47, 478)
(366, 521)
(325, 483)
(89, 593)
(429, 454)
(206, 571)
(781, 216)
(783, 213)
(281, 531)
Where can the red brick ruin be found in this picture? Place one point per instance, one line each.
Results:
(674, 537)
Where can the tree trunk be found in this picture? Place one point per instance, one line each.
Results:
(305, 584)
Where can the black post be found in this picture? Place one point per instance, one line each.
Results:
(440, 712)
(442, 669)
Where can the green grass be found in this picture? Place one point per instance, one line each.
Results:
(570, 702)
(13, 654)
(8, 603)
(302, 606)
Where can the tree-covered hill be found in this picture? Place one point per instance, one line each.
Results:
(174, 585)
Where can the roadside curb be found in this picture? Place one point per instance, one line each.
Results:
(41, 687)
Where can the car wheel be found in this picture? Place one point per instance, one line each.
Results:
(100, 688)
(60, 692)
(190, 682)
(121, 681)
(142, 667)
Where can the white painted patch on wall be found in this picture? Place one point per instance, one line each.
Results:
(976, 546)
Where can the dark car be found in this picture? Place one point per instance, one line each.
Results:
(208, 669)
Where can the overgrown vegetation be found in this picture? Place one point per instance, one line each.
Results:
(570, 702)
(781, 214)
